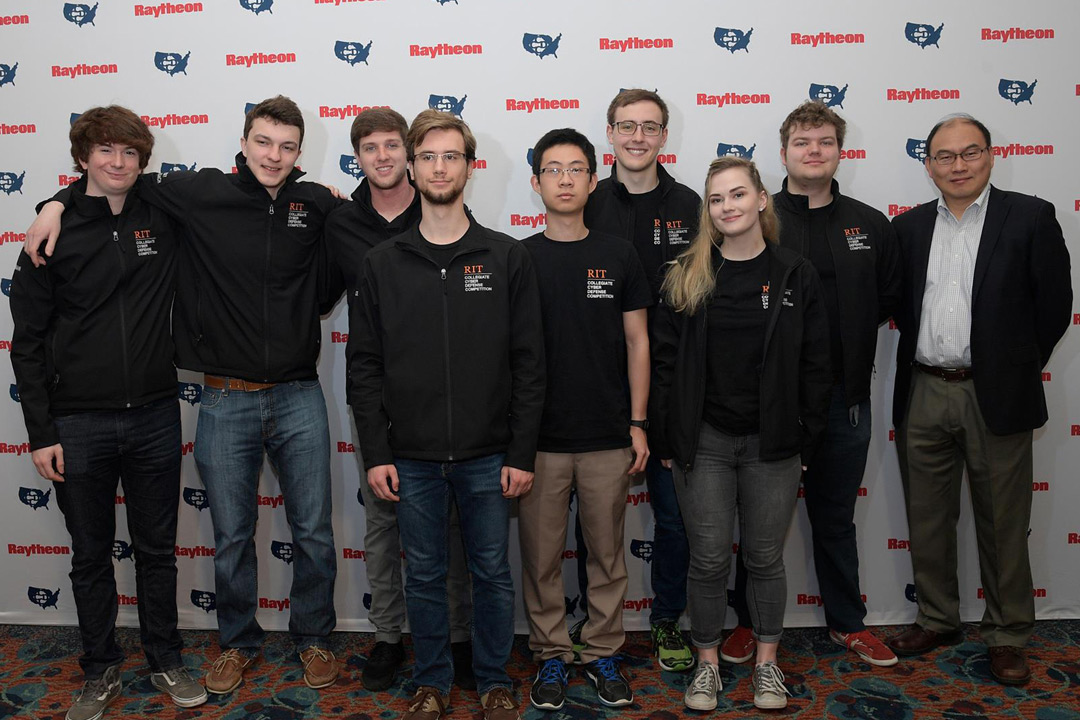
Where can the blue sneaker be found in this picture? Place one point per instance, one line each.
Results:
(612, 687)
(549, 688)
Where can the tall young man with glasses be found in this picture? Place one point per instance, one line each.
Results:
(448, 391)
(987, 295)
(641, 203)
(853, 248)
(594, 296)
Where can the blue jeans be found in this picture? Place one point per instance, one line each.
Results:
(671, 552)
(728, 472)
(141, 447)
(423, 520)
(288, 422)
(832, 482)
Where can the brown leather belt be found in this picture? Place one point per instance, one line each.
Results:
(227, 383)
(946, 374)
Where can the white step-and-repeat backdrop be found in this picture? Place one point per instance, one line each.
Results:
(514, 69)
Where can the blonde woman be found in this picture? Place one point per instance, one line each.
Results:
(743, 382)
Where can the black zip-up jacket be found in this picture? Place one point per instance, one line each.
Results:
(92, 326)
(795, 372)
(868, 275)
(450, 361)
(253, 275)
(610, 210)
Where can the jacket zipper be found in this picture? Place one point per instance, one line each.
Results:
(123, 317)
(266, 295)
(446, 363)
(774, 318)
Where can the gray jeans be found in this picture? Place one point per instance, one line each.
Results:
(728, 473)
(382, 547)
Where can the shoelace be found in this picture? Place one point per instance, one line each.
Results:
(553, 672)
(667, 636)
(428, 702)
(769, 679)
(316, 652)
(608, 667)
(500, 696)
(706, 680)
(96, 689)
(230, 655)
(176, 675)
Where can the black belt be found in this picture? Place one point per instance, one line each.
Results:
(946, 374)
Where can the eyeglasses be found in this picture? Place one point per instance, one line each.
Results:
(555, 172)
(629, 127)
(970, 155)
(448, 157)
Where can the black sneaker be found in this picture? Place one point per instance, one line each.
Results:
(549, 688)
(612, 687)
(463, 672)
(382, 665)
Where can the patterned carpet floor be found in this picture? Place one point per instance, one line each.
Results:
(39, 676)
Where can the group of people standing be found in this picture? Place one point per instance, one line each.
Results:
(722, 345)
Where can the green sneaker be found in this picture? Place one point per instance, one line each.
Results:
(672, 652)
(575, 639)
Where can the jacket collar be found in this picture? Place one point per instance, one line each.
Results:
(248, 178)
(801, 203)
(94, 206)
(666, 181)
(472, 239)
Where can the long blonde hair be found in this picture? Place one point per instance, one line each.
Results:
(691, 277)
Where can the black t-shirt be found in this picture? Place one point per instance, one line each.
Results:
(738, 312)
(647, 237)
(820, 255)
(442, 254)
(585, 287)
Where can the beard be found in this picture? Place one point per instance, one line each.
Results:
(447, 196)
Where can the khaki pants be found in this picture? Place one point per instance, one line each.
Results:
(602, 483)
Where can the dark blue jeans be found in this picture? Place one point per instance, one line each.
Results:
(671, 552)
(288, 423)
(832, 484)
(423, 521)
(141, 448)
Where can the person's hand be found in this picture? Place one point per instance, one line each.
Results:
(45, 229)
(515, 482)
(49, 462)
(335, 192)
(640, 445)
(666, 462)
(383, 481)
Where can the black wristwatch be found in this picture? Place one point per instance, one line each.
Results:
(643, 424)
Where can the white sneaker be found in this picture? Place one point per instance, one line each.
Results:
(770, 692)
(703, 688)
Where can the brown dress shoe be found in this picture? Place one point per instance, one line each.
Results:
(227, 672)
(427, 704)
(1009, 666)
(320, 667)
(499, 704)
(917, 640)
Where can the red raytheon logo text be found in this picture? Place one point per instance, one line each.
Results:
(921, 93)
(258, 58)
(271, 501)
(528, 106)
(1046, 377)
(1016, 33)
(20, 129)
(121, 500)
(14, 19)
(12, 237)
(339, 2)
(638, 605)
(129, 600)
(636, 499)
(827, 38)
(897, 544)
(570, 554)
(853, 154)
(65, 180)
(1075, 431)
(662, 158)
(636, 43)
(167, 8)
(804, 599)
(1004, 151)
(271, 604)
(194, 551)
(733, 98)
(187, 448)
(1040, 486)
(345, 111)
(37, 549)
(895, 209)
(345, 447)
(163, 121)
(802, 492)
(12, 448)
(6, 345)
(434, 51)
(1074, 538)
(351, 554)
(533, 221)
(339, 337)
(82, 69)
(1035, 592)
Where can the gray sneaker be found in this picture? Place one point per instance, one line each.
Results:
(96, 695)
(178, 684)
(704, 687)
(770, 692)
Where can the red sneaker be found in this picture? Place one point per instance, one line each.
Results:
(865, 645)
(739, 646)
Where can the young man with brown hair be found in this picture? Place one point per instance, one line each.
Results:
(93, 361)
